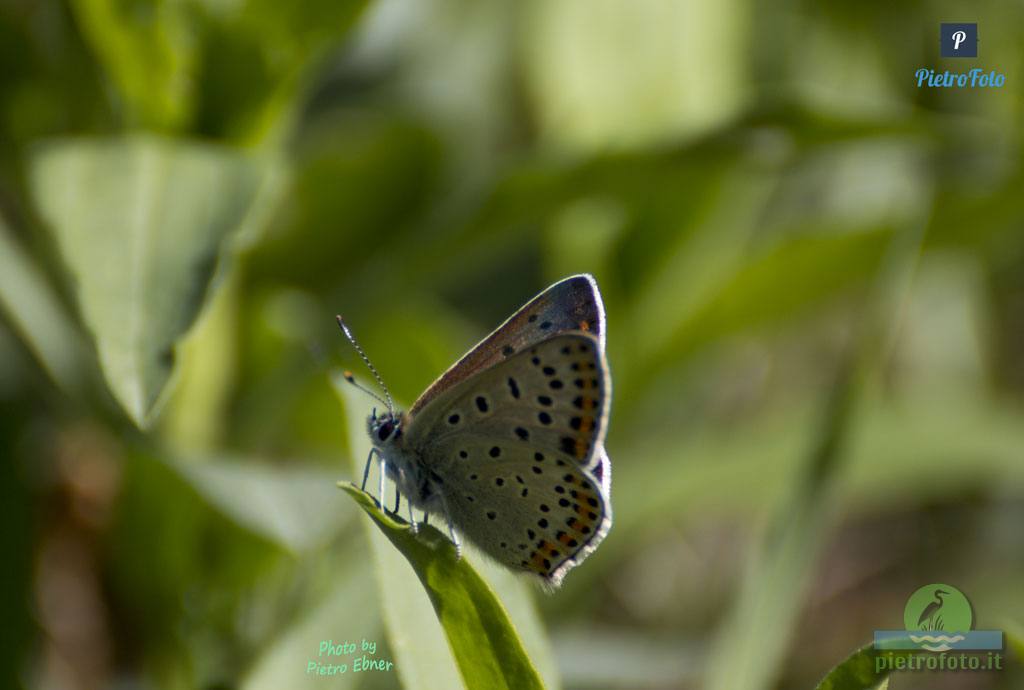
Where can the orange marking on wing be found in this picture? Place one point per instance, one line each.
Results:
(584, 325)
(565, 538)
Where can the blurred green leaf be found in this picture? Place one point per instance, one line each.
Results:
(145, 48)
(184, 601)
(697, 266)
(299, 29)
(576, 56)
(38, 316)
(1015, 638)
(196, 413)
(918, 447)
(745, 658)
(343, 616)
(295, 508)
(141, 223)
(255, 56)
(779, 284)
(774, 585)
(600, 656)
(233, 69)
(904, 451)
(856, 672)
(336, 210)
(481, 635)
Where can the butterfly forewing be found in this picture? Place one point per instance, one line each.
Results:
(520, 448)
(573, 304)
(553, 395)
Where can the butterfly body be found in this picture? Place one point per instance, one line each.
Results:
(507, 445)
(404, 465)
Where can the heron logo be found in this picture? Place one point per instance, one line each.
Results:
(938, 618)
(940, 614)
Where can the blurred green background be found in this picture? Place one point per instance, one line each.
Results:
(813, 273)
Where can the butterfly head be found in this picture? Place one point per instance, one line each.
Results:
(385, 429)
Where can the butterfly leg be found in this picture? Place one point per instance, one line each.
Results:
(455, 540)
(383, 471)
(401, 482)
(366, 470)
(412, 518)
(451, 529)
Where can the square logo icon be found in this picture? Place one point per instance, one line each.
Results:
(958, 40)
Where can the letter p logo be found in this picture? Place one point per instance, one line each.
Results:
(958, 40)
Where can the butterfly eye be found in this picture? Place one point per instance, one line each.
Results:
(385, 431)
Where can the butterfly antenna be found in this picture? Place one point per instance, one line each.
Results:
(348, 374)
(352, 379)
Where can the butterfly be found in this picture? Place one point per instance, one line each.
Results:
(507, 446)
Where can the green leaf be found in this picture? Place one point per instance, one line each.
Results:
(1014, 633)
(36, 314)
(294, 508)
(140, 223)
(779, 573)
(146, 50)
(256, 58)
(679, 83)
(857, 672)
(486, 646)
(785, 281)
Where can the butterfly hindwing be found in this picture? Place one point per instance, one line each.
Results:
(520, 448)
(572, 304)
(527, 510)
